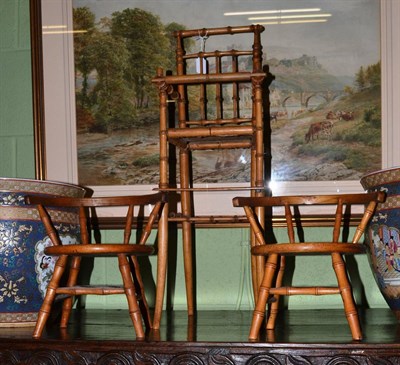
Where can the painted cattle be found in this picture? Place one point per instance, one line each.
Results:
(317, 129)
(343, 115)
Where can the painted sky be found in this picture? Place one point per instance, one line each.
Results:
(349, 39)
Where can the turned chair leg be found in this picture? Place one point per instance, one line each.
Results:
(130, 293)
(187, 238)
(45, 309)
(162, 259)
(347, 296)
(141, 296)
(263, 294)
(188, 266)
(254, 279)
(274, 307)
(68, 302)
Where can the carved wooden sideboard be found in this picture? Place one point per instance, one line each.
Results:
(111, 352)
(217, 338)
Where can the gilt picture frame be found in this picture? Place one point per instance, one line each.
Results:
(54, 104)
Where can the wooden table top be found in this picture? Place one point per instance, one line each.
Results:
(296, 326)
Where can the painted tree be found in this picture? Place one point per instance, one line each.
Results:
(360, 79)
(373, 75)
(104, 100)
(84, 25)
(148, 47)
(111, 94)
(169, 32)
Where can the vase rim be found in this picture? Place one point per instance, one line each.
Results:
(35, 181)
(380, 171)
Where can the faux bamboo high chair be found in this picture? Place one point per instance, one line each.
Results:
(143, 211)
(271, 287)
(217, 124)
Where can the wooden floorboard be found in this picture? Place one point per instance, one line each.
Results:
(302, 337)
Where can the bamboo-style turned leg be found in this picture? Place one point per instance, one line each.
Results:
(68, 302)
(263, 294)
(162, 258)
(45, 309)
(141, 297)
(347, 296)
(254, 277)
(187, 238)
(260, 259)
(274, 308)
(130, 293)
(188, 266)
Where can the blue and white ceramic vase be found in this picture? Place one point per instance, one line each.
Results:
(25, 270)
(383, 235)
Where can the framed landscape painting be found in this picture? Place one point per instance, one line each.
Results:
(330, 110)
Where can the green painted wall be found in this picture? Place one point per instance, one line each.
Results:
(16, 123)
(223, 273)
(222, 255)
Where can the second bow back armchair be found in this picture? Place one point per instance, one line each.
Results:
(219, 98)
(272, 286)
(142, 212)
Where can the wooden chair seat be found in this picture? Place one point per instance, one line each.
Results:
(271, 284)
(308, 248)
(142, 213)
(99, 250)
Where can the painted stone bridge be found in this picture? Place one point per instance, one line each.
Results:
(280, 98)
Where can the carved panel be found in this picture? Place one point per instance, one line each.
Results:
(179, 354)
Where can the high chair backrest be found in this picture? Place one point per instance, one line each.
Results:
(220, 61)
(216, 88)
